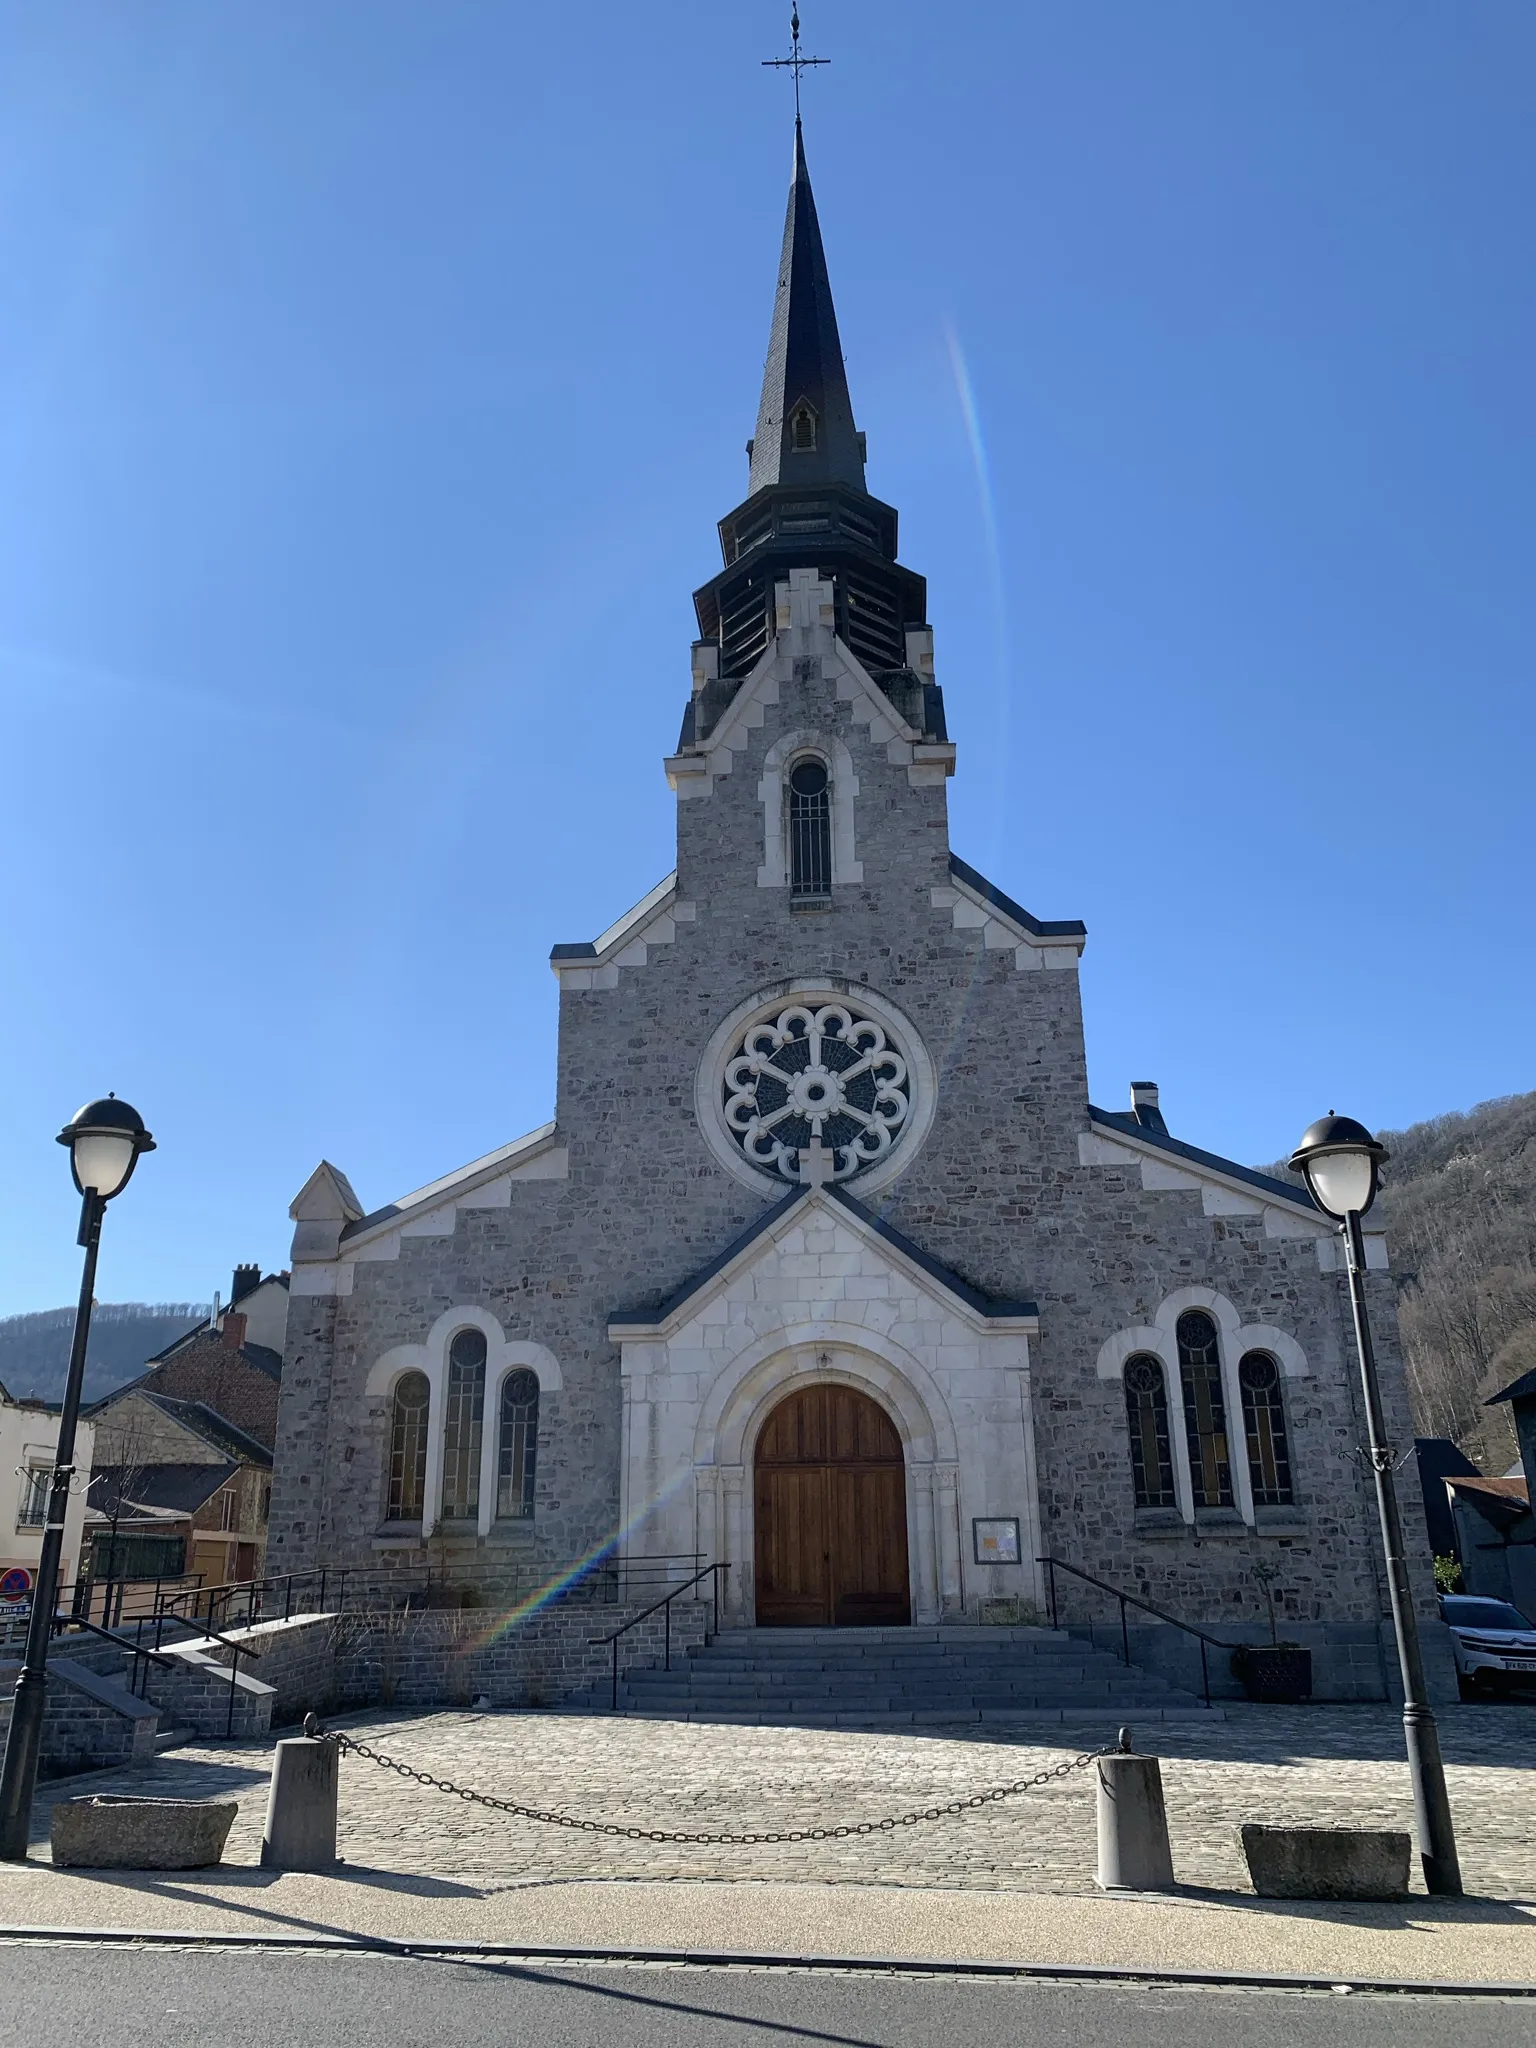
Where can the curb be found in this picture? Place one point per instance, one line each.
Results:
(751, 1959)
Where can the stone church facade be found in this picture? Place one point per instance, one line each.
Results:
(827, 1265)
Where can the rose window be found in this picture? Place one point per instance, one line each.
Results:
(816, 1093)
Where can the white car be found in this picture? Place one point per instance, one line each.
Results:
(1494, 1643)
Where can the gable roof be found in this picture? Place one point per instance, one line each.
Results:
(214, 1429)
(1037, 928)
(1521, 1389)
(165, 1489)
(452, 1186)
(1265, 1183)
(634, 1322)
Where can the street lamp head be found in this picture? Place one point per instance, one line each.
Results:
(105, 1140)
(1342, 1163)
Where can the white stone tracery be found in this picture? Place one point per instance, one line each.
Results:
(816, 1092)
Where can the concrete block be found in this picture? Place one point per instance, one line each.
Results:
(301, 1807)
(109, 1832)
(1326, 1863)
(1134, 1853)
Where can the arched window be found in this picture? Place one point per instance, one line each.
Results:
(1205, 1410)
(802, 427)
(810, 828)
(1269, 1451)
(463, 1420)
(1146, 1411)
(519, 1446)
(407, 1448)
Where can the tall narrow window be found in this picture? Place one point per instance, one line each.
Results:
(1205, 1410)
(802, 428)
(810, 829)
(1269, 1451)
(463, 1420)
(1146, 1411)
(519, 1446)
(408, 1448)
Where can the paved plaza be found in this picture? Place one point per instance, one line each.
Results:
(1338, 1766)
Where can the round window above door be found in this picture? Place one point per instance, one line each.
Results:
(820, 1082)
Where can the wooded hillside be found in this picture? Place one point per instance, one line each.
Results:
(1459, 1198)
(34, 1349)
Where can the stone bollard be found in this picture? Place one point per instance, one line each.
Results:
(1134, 1855)
(301, 1808)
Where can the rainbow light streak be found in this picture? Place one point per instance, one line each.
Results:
(602, 1550)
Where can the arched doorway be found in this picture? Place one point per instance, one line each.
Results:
(830, 1500)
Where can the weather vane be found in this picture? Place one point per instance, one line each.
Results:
(794, 61)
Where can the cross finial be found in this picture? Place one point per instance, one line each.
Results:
(794, 61)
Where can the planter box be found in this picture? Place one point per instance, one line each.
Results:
(1326, 1863)
(1280, 1674)
(111, 1833)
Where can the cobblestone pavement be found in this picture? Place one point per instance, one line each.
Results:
(1325, 1765)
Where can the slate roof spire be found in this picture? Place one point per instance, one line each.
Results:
(805, 431)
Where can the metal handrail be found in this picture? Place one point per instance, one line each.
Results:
(1055, 1564)
(61, 1622)
(710, 1571)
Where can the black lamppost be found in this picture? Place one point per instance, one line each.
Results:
(104, 1140)
(1342, 1163)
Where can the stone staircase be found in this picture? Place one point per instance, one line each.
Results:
(902, 1677)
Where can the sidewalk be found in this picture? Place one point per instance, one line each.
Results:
(1466, 1941)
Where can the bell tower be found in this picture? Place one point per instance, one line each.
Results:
(807, 507)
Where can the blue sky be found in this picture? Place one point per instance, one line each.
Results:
(371, 378)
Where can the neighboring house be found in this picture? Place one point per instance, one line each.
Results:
(1438, 1460)
(233, 1364)
(156, 1458)
(29, 1435)
(1496, 1538)
(1495, 1526)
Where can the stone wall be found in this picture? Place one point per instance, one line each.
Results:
(90, 1722)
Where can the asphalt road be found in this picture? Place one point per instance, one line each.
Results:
(269, 1999)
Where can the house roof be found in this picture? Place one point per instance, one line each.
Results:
(980, 1304)
(1521, 1389)
(213, 1428)
(162, 1489)
(1503, 1502)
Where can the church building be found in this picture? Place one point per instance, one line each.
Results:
(827, 1265)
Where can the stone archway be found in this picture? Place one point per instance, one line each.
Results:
(830, 1512)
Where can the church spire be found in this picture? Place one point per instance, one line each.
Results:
(805, 431)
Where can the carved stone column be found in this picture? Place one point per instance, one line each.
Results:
(946, 1530)
(926, 1606)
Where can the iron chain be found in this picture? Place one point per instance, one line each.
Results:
(743, 1841)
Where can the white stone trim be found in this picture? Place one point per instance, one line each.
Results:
(486, 1183)
(821, 1296)
(628, 943)
(971, 911)
(1223, 1194)
(431, 1357)
(921, 1073)
(1234, 1338)
(805, 626)
(774, 872)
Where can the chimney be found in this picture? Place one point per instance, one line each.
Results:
(233, 1330)
(1144, 1106)
(246, 1278)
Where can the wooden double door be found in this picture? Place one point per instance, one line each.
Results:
(830, 1500)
